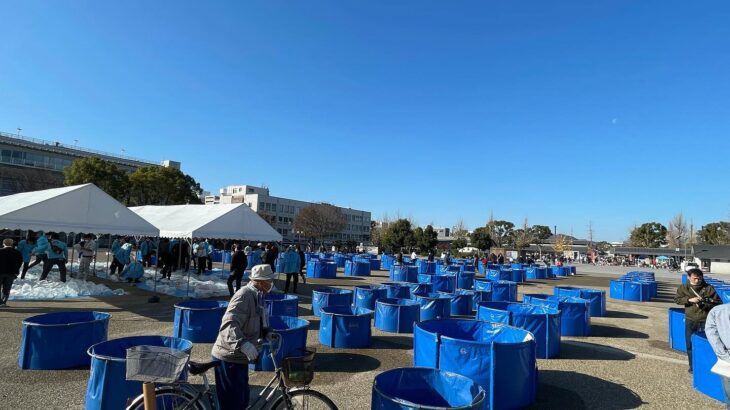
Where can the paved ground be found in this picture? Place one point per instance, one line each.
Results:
(625, 364)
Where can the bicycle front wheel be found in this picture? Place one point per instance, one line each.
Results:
(304, 399)
(169, 398)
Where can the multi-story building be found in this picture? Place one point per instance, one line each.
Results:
(281, 212)
(29, 164)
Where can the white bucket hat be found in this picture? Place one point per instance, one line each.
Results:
(262, 272)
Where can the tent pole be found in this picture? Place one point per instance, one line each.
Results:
(187, 292)
(107, 252)
(71, 268)
(154, 298)
(95, 249)
(223, 256)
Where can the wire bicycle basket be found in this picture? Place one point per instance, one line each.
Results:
(299, 370)
(155, 364)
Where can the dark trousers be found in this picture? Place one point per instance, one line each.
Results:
(165, 262)
(201, 264)
(231, 385)
(6, 283)
(289, 277)
(236, 276)
(38, 259)
(691, 327)
(116, 266)
(210, 262)
(26, 266)
(61, 263)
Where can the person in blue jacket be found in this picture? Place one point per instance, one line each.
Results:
(209, 249)
(116, 265)
(40, 251)
(123, 253)
(256, 254)
(26, 247)
(134, 269)
(57, 256)
(291, 267)
(144, 250)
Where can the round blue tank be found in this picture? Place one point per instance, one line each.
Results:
(518, 275)
(345, 327)
(483, 284)
(676, 330)
(575, 318)
(465, 280)
(416, 288)
(330, 297)
(367, 295)
(404, 273)
(542, 321)
(504, 291)
(434, 305)
(462, 302)
(358, 268)
(280, 304)
(498, 274)
(439, 283)
(424, 266)
(59, 340)
(397, 290)
(596, 297)
(421, 388)
(703, 358)
(397, 315)
(293, 331)
(198, 320)
(631, 291)
(321, 269)
(500, 358)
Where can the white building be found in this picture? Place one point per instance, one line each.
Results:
(281, 212)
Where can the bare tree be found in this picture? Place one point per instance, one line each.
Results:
(523, 236)
(677, 232)
(460, 230)
(319, 221)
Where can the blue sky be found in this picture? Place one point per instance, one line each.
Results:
(562, 112)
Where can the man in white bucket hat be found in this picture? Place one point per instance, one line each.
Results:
(242, 325)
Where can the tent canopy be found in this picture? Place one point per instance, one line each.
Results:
(78, 208)
(220, 221)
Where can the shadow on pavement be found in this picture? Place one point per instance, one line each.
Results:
(624, 315)
(585, 392)
(574, 350)
(611, 331)
(391, 342)
(344, 362)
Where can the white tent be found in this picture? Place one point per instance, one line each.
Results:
(79, 208)
(221, 221)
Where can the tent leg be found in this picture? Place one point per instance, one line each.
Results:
(155, 298)
(107, 253)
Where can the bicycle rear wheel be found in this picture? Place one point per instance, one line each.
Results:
(304, 400)
(169, 398)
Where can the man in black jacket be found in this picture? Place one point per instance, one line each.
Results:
(239, 263)
(10, 262)
(302, 263)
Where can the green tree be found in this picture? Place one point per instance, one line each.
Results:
(501, 232)
(715, 233)
(648, 235)
(458, 244)
(481, 239)
(399, 235)
(103, 174)
(155, 185)
(540, 232)
(425, 239)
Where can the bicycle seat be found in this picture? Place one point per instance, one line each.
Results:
(197, 368)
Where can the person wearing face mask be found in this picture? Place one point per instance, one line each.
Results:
(697, 297)
(244, 322)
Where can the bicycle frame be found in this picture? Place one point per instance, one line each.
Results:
(269, 391)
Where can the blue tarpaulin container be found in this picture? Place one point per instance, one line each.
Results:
(498, 274)
(451, 269)
(560, 271)
(536, 273)
(321, 269)
(416, 288)
(108, 388)
(518, 275)
(483, 284)
(374, 264)
(404, 273)
(198, 320)
(366, 295)
(631, 291)
(386, 261)
(596, 297)
(397, 315)
(345, 327)
(434, 305)
(575, 317)
(439, 283)
(281, 304)
(397, 290)
(504, 291)
(703, 358)
(422, 388)
(500, 358)
(543, 322)
(293, 331)
(481, 296)
(340, 259)
(676, 330)
(59, 340)
(462, 302)
(424, 266)
(465, 280)
(330, 297)
(358, 268)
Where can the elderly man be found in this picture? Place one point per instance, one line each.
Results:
(717, 329)
(243, 324)
(697, 297)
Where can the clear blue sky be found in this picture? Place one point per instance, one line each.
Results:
(563, 112)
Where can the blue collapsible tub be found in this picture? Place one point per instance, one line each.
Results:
(281, 304)
(518, 275)
(386, 261)
(397, 315)
(59, 340)
(482, 284)
(498, 274)
(293, 331)
(424, 266)
(198, 320)
(703, 358)
(404, 273)
(358, 268)
(422, 388)
(596, 297)
(575, 317)
(439, 283)
(416, 288)
(321, 269)
(374, 264)
(542, 321)
(341, 259)
(330, 297)
(573, 270)
(453, 269)
(560, 271)
(631, 291)
(462, 302)
(481, 296)
(345, 327)
(366, 295)
(397, 290)
(108, 387)
(500, 358)
(676, 330)
(434, 305)
(504, 291)
(465, 280)
(536, 273)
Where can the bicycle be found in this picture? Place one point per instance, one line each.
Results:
(291, 380)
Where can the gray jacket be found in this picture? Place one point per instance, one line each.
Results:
(241, 323)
